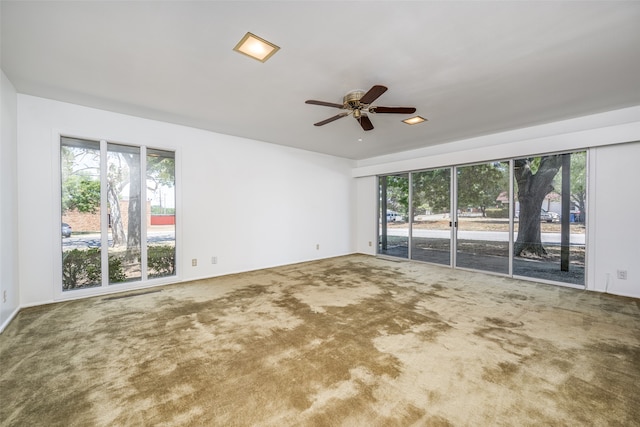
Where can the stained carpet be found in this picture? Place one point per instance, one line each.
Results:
(349, 341)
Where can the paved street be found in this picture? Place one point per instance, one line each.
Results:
(84, 241)
(493, 236)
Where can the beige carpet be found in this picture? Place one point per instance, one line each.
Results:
(350, 341)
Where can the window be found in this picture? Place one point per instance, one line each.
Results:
(482, 229)
(111, 198)
(523, 217)
(549, 227)
(393, 213)
(81, 214)
(161, 234)
(431, 218)
(125, 213)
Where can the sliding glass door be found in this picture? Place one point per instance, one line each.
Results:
(549, 227)
(482, 232)
(431, 216)
(393, 232)
(523, 217)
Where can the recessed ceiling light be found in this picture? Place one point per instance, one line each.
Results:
(256, 47)
(414, 120)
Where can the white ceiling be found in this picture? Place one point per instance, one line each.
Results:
(471, 68)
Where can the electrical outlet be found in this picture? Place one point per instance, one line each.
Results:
(317, 246)
(622, 274)
(370, 243)
(4, 296)
(194, 262)
(214, 260)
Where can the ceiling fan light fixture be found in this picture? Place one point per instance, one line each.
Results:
(414, 120)
(358, 104)
(256, 47)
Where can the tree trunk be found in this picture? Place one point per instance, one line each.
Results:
(135, 207)
(579, 200)
(117, 228)
(532, 189)
(529, 242)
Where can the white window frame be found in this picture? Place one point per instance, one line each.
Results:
(105, 288)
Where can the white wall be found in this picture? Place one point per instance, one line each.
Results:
(8, 203)
(614, 197)
(615, 235)
(367, 202)
(249, 203)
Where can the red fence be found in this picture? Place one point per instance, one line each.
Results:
(163, 219)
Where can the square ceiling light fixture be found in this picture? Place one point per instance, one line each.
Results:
(256, 47)
(414, 120)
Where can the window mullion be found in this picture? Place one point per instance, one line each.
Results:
(453, 216)
(511, 216)
(143, 212)
(410, 216)
(104, 215)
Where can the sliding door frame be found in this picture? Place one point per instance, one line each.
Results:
(454, 226)
(410, 215)
(453, 202)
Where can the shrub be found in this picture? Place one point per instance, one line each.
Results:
(161, 260)
(497, 213)
(116, 270)
(82, 269)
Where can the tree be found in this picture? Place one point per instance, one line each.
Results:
(80, 188)
(117, 178)
(398, 194)
(534, 177)
(160, 171)
(480, 185)
(135, 203)
(81, 193)
(431, 190)
(124, 170)
(578, 181)
(160, 174)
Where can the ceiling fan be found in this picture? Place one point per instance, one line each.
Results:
(358, 103)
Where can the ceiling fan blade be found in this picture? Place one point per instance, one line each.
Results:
(331, 119)
(326, 104)
(397, 110)
(365, 122)
(373, 94)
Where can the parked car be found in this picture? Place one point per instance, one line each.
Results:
(549, 216)
(393, 216)
(66, 230)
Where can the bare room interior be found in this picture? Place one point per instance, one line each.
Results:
(319, 213)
